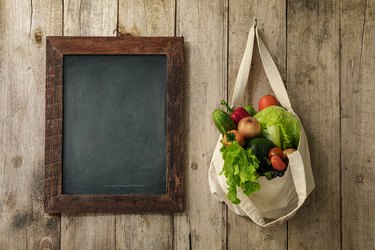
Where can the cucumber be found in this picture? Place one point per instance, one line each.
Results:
(222, 121)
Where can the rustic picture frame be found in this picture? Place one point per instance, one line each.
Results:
(55, 201)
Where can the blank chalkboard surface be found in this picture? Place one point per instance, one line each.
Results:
(114, 124)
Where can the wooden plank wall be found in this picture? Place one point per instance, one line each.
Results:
(313, 81)
(325, 51)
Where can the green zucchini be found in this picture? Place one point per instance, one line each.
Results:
(222, 121)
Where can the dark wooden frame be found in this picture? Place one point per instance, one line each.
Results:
(57, 202)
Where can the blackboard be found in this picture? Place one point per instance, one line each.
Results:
(114, 125)
(114, 116)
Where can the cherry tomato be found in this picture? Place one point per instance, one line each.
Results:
(277, 163)
(266, 101)
(232, 136)
(276, 151)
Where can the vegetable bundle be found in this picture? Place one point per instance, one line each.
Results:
(255, 144)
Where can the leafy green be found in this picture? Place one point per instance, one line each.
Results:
(279, 126)
(239, 168)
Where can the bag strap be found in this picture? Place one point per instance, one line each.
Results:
(244, 71)
(272, 73)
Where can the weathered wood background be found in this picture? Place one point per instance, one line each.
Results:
(325, 50)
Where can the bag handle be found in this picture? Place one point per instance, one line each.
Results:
(272, 73)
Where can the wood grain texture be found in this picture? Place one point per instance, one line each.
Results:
(320, 80)
(203, 25)
(90, 18)
(145, 18)
(94, 18)
(313, 84)
(88, 231)
(23, 26)
(357, 124)
(144, 231)
(271, 22)
(53, 125)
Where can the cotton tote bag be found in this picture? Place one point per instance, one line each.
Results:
(280, 198)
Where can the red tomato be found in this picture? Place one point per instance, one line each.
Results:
(233, 135)
(266, 101)
(277, 163)
(276, 151)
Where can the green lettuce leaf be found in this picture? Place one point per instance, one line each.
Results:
(279, 126)
(239, 168)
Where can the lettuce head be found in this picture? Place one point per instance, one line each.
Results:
(279, 126)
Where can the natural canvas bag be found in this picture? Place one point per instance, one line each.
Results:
(280, 198)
